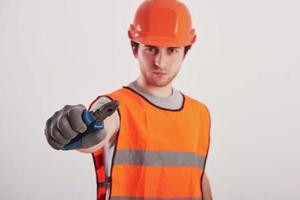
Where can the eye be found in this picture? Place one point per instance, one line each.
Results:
(172, 50)
(151, 50)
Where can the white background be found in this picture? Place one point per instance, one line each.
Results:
(244, 67)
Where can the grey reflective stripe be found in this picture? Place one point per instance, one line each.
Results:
(159, 158)
(140, 198)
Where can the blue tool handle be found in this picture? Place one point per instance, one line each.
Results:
(92, 124)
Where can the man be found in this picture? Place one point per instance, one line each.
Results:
(156, 145)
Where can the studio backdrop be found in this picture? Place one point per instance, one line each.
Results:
(244, 66)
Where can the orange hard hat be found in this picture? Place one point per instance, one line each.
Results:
(162, 23)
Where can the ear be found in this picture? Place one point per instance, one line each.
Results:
(134, 51)
(184, 55)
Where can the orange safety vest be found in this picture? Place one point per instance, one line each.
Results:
(159, 153)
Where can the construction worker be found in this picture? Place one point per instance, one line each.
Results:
(156, 145)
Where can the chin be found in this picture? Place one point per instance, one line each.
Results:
(160, 83)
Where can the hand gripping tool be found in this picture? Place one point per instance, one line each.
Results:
(94, 122)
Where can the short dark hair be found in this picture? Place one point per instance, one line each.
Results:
(135, 47)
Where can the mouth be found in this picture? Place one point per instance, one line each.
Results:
(160, 73)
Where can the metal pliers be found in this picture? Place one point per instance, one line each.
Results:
(94, 122)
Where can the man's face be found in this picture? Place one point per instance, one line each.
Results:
(159, 65)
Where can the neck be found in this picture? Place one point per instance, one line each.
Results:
(160, 91)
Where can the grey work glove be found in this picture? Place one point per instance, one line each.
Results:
(66, 124)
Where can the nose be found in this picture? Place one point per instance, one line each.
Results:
(160, 59)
